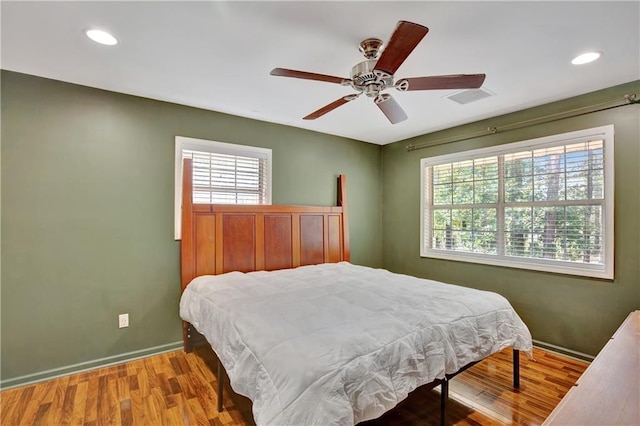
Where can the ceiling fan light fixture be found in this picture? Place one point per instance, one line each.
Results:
(372, 76)
(101, 37)
(585, 58)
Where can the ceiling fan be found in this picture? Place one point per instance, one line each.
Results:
(373, 76)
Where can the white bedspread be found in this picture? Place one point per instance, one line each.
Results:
(336, 344)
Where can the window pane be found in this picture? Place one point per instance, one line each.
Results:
(200, 197)
(583, 235)
(518, 227)
(594, 235)
(463, 193)
(596, 155)
(446, 241)
(597, 185)
(548, 239)
(438, 239)
(486, 168)
(463, 241)
(577, 185)
(441, 218)
(484, 231)
(486, 191)
(484, 242)
(484, 220)
(442, 194)
(461, 219)
(549, 187)
(549, 160)
(222, 198)
(463, 171)
(517, 164)
(578, 158)
(518, 188)
(442, 174)
(242, 198)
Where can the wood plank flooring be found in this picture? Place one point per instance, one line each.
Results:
(180, 389)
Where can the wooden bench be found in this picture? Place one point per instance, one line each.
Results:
(608, 393)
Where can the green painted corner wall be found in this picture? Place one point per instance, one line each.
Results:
(87, 214)
(576, 313)
(87, 218)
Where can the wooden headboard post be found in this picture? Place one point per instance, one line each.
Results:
(342, 202)
(219, 238)
(187, 249)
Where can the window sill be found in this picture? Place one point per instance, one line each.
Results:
(557, 267)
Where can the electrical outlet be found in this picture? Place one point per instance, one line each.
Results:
(123, 320)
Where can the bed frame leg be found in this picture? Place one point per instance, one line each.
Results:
(186, 337)
(516, 368)
(444, 397)
(220, 386)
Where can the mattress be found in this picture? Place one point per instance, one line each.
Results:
(340, 343)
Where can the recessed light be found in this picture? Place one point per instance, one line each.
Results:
(585, 58)
(101, 37)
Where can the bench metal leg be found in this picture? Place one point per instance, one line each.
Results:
(516, 368)
(220, 386)
(444, 397)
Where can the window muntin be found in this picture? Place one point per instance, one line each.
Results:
(544, 204)
(222, 174)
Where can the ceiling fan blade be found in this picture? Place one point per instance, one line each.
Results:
(390, 108)
(437, 82)
(328, 108)
(283, 72)
(404, 39)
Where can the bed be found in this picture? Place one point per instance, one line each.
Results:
(311, 338)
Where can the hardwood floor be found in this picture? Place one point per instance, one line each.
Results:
(180, 389)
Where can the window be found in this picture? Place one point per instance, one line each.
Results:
(223, 173)
(544, 204)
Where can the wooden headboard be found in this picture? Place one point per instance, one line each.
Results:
(219, 238)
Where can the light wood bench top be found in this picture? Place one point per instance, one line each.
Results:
(608, 393)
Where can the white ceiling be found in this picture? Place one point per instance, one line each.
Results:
(217, 55)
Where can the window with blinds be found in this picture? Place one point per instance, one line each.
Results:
(223, 173)
(544, 204)
(228, 179)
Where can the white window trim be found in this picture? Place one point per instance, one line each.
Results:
(210, 146)
(605, 271)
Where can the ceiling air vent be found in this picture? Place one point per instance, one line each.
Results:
(470, 95)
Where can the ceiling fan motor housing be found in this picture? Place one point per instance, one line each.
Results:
(365, 80)
(370, 47)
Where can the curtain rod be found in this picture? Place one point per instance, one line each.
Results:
(627, 100)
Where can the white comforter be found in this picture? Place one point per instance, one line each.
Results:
(336, 344)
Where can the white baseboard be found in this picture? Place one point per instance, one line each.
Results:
(88, 365)
(563, 351)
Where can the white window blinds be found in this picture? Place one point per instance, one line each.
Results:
(228, 179)
(545, 204)
(223, 173)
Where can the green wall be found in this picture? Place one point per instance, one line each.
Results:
(576, 313)
(87, 216)
(87, 220)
